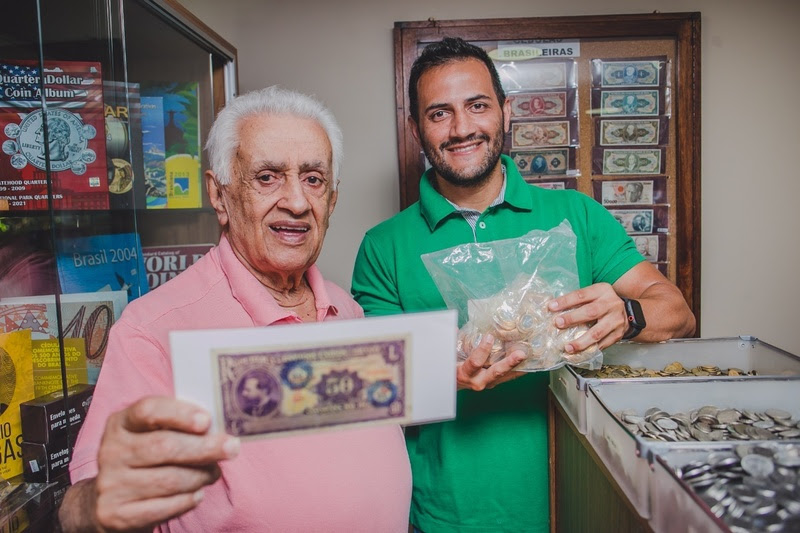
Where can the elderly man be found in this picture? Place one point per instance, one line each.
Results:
(487, 470)
(144, 459)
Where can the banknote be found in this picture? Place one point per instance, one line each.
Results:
(630, 103)
(542, 162)
(551, 185)
(635, 192)
(629, 132)
(264, 391)
(87, 316)
(625, 73)
(634, 220)
(649, 246)
(527, 75)
(536, 134)
(636, 161)
(536, 105)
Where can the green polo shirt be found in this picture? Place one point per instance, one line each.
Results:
(487, 470)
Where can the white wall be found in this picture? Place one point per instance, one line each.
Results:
(342, 52)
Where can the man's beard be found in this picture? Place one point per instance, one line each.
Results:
(467, 179)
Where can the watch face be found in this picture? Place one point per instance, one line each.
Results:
(634, 309)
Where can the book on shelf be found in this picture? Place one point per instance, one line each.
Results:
(163, 263)
(69, 141)
(86, 320)
(16, 386)
(181, 141)
(102, 263)
(153, 152)
(123, 127)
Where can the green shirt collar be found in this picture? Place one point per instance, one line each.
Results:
(436, 208)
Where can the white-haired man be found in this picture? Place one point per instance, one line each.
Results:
(145, 460)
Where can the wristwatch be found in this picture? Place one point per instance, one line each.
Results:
(636, 322)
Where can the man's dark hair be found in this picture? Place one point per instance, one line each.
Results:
(446, 51)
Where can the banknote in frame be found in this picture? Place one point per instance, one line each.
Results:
(536, 74)
(541, 134)
(544, 161)
(533, 105)
(632, 132)
(631, 162)
(263, 391)
(643, 221)
(554, 184)
(629, 72)
(627, 102)
(630, 191)
(652, 247)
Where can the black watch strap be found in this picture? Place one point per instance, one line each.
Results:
(636, 322)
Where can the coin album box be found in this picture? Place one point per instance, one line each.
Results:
(629, 457)
(745, 353)
(689, 482)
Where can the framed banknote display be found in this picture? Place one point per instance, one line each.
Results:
(608, 105)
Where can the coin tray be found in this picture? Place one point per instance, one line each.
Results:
(745, 353)
(675, 507)
(629, 457)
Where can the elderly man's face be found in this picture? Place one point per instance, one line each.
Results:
(281, 194)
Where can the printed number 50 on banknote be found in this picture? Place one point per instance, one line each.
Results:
(261, 392)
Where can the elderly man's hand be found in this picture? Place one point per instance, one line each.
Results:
(154, 459)
(472, 373)
(598, 304)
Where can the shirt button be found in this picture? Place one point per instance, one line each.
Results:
(482, 225)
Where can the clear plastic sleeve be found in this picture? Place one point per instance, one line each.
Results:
(502, 288)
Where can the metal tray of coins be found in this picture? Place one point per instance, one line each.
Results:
(729, 488)
(629, 422)
(681, 359)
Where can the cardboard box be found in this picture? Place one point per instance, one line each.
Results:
(45, 419)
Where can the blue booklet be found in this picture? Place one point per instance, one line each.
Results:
(102, 263)
(154, 152)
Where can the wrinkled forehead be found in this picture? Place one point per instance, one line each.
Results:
(290, 141)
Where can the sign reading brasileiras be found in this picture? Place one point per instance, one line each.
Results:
(69, 135)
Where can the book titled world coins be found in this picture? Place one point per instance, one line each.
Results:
(264, 391)
(286, 379)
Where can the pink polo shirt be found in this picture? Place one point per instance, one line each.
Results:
(347, 480)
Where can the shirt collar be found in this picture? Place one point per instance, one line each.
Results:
(436, 207)
(257, 301)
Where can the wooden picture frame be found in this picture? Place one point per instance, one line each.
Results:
(674, 38)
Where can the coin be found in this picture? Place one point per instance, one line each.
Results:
(743, 495)
(674, 369)
(666, 423)
(778, 414)
(757, 465)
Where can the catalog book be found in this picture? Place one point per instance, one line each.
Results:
(165, 262)
(181, 141)
(16, 386)
(153, 152)
(86, 320)
(102, 263)
(123, 127)
(69, 141)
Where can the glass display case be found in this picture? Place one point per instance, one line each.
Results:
(105, 106)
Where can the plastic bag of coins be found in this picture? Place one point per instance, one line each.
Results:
(754, 487)
(711, 423)
(518, 319)
(672, 370)
(502, 288)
